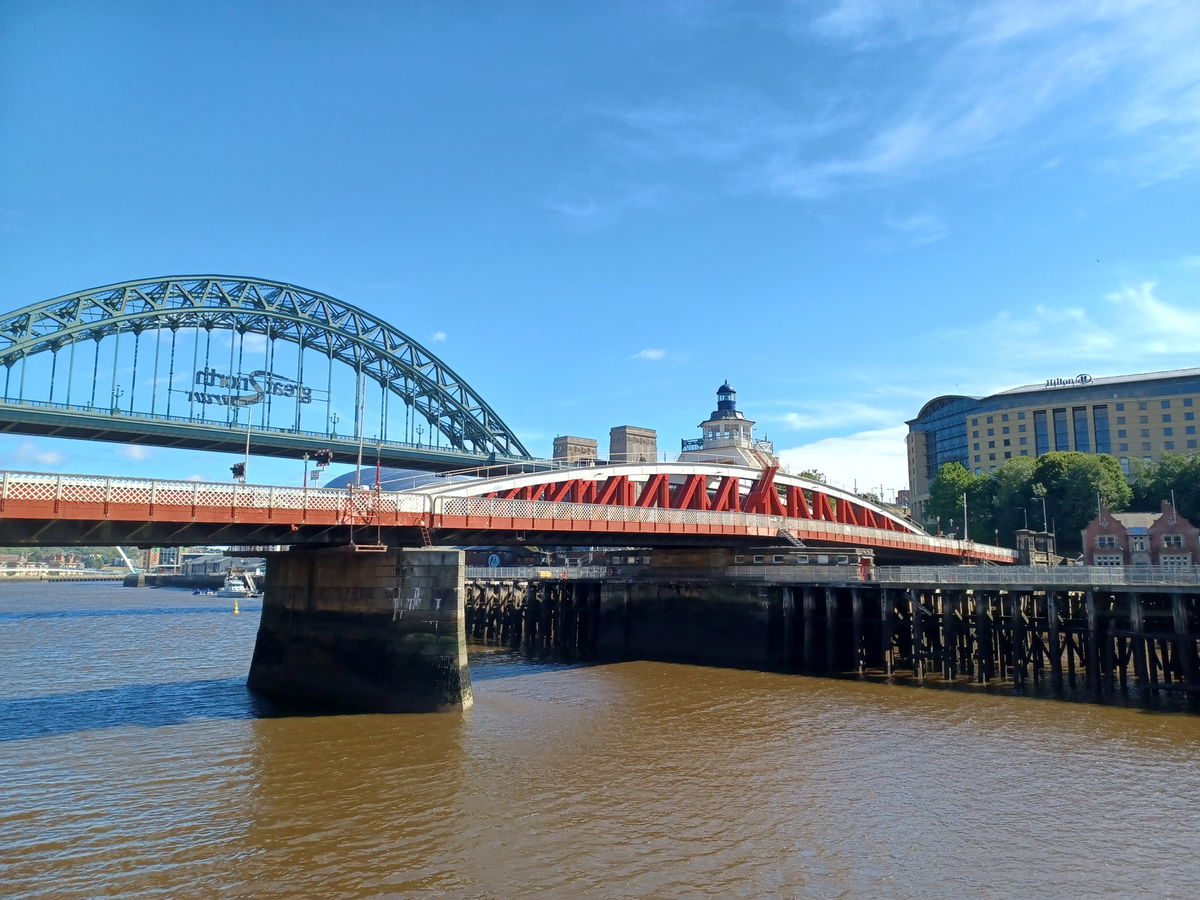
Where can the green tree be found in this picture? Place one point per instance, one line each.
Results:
(1073, 482)
(944, 508)
(1012, 486)
(1173, 474)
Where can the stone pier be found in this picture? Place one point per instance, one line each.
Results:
(381, 631)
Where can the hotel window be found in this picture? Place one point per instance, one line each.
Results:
(1192, 444)
(1168, 432)
(974, 434)
(1100, 427)
(1021, 415)
(1061, 440)
(1008, 454)
(1187, 401)
(1024, 452)
(976, 460)
(1144, 432)
(1124, 461)
(992, 457)
(1120, 407)
(1041, 434)
(1008, 442)
(1145, 447)
(991, 431)
(990, 419)
(1168, 445)
(1166, 417)
(1189, 417)
(991, 444)
(975, 421)
(1141, 404)
(1172, 540)
(1121, 433)
(1083, 442)
(1165, 404)
(1004, 430)
(1021, 428)
(1004, 417)
(975, 446)
(1106, 540)
(1121, 448)
(1189, 429)
(1120, 419)
(1023, 441)
(1143, 420)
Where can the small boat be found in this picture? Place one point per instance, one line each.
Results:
(238, 585)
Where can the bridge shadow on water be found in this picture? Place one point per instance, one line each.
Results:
(164, 704)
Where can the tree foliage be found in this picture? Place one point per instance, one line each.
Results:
(1011, 497)
(1173, 474)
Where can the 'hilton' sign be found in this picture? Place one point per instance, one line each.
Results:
(1069, 382)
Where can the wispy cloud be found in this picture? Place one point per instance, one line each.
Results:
(30, 453)
(133, 451)
(831, 416)
(438, 336)
(654, 354)
(1012, 82)
(865, 459)
(918, 229)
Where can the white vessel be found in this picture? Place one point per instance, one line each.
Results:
(238, 585)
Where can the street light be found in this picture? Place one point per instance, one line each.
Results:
(305, 484)
(334, 418)
(1045, 521)
(117, 392)
(420, 434)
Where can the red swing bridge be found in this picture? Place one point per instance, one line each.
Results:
(640, 504)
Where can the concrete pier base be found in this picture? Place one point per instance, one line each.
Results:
(379, 631)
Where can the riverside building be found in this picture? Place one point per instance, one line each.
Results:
(1128, 416)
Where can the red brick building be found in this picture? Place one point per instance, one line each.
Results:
(1163, 538)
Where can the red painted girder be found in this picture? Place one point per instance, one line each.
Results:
(821, 508)
(656, 491)
(692, 494)
(763, 497)
(728, 495)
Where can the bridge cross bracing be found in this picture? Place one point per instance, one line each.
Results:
(206, 361)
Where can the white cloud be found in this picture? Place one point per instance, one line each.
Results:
(1012, 82)
(134, 451)
(438, 336)
(837, 415)
(28, 452)
(651, 353)
(864, 460)
(918, 229)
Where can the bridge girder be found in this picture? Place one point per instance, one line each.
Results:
(278, 311)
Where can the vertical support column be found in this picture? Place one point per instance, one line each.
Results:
(1091, 644)
(856, 601)
(1185, 649)
(887, 619)
(1054, 638)
(384, 632)
(830, 630)
(810, 614)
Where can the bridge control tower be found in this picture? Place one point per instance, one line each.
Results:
(728, 437)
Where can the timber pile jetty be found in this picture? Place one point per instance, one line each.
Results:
(1104, 634)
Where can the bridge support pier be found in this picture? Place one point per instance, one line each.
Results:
(378, 631)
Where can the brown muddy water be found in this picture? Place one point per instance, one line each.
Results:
(134, 762)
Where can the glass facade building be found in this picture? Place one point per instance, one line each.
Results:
(1129, 416)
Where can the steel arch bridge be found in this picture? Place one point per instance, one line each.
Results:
(159, 320)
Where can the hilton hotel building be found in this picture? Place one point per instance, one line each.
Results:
(1128, 416)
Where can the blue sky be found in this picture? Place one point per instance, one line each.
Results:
(596, 212)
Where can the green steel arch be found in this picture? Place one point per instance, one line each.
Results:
(276, 310)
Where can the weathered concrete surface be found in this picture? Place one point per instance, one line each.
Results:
(376, 631)
(709, 623)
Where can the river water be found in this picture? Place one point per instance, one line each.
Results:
(134, 762)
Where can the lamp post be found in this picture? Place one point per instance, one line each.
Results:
(1045, 520)
(334, 418)
(305, 484)
(420, 434)
(117, 392)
